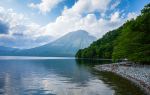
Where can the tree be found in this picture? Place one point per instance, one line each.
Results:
(131, 41)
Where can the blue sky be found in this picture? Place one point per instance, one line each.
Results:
(21, 6)
(37, 22)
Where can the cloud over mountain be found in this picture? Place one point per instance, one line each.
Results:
(22, 26)
(81, 16)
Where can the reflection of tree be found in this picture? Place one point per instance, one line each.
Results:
(2, 83)
(92, 62)
(119, 84)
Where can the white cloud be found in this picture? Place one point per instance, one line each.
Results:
(71, 21)
(115, 17)
(22, 32)
(89, 6)
(81, 16)
(18, 23)
(45, 5)
(115, 4)
(79, 7)
(132, 15)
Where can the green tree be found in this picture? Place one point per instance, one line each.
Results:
(131, 41)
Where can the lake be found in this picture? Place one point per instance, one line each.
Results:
(59, 76)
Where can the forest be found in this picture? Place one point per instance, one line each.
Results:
(130, 41)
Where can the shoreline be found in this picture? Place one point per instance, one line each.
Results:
(137, 74)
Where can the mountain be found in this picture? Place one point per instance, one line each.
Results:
(66, 45)
(7, 50)
(73, 41)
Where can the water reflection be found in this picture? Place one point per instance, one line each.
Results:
(54, 77)
(120, 85)
(117, 83)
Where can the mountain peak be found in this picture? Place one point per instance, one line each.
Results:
(77, 39)
(79, 32)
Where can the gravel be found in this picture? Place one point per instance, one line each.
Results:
(139, 74)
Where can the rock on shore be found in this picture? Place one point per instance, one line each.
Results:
(139, 74)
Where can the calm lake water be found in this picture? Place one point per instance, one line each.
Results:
(59, 76)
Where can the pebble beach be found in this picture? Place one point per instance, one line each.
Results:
(138, 74)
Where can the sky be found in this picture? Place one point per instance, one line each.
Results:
(32, 23)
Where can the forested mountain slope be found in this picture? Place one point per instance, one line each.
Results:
(131, 41)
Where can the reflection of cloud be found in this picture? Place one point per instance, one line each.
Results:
(8, 84)
(56, 79)
(33, 77)
(62, 86)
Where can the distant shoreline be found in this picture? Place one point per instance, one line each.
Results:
(32, 58)
(138, 74)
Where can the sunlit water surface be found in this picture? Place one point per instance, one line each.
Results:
(59, 76)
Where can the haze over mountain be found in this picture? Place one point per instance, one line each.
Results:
(7, 50)
(66, 45)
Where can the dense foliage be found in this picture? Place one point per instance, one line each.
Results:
(131, 41)
(101, 48)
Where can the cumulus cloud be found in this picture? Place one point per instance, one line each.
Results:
(115, 17)
(72, 19)
(132, 15)
(23, 33)
(80, 6)
(88, 6)
(16, 30)
(115, 4)
(45, 5)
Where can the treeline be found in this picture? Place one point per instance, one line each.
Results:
(130, 41)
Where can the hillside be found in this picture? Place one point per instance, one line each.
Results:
(131, 41)
(7, 50)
